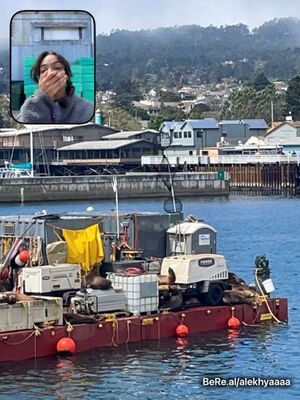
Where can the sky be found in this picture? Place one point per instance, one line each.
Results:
(150, 14)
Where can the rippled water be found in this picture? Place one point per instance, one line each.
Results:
(170, 369)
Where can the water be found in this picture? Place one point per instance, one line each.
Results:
(169, 369)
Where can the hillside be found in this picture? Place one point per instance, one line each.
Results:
(193, 54)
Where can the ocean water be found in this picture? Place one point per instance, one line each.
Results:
(172, 369)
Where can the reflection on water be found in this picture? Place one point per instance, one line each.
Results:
(170, 368)
(174, 368)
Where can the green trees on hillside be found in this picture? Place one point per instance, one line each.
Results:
(260, 81)
(193, 53)
(250, 103)
(167, 114)
(293, 97)
(121, 119)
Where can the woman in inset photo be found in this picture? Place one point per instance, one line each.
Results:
(55, 100)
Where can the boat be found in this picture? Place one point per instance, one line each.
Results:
(160, 276)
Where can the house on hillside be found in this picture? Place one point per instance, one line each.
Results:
(286, 134)
(240, 130)
(188, 137)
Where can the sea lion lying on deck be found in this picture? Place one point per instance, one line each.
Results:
(94, 280)
(12, 298)
(240, 293)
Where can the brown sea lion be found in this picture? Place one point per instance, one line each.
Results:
(242, 295)
(11, 297)
(94, 280)
(168, 280)
(239, 292)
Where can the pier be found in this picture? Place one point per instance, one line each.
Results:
(130, 185)
(251, 174)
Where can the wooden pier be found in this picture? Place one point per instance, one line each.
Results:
(251, 174)
(261, 178)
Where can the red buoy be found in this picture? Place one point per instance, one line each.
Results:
(182, 331)
(66, 345)
(23, 256)
(233, 323)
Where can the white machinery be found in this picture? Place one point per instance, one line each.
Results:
(50, 278)
(202, 276)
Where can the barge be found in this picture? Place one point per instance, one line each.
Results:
(45, 301)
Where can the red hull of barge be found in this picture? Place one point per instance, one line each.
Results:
(23, 345)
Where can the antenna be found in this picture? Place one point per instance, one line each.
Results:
(272, 114)
(115, 189)
(173, 204)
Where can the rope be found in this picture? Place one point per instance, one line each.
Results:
(253, 322)
(113, 319)
(17, 343)
(115, 327)
(128, 331)
(69, 328)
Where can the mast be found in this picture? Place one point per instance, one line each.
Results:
(31, 151)
(115, 189)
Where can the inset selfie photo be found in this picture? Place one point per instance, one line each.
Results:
(52, 67)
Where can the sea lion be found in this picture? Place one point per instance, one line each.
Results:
(94, 280)
(168, 280)
(239, 292)
(12, 298)
(241, 296)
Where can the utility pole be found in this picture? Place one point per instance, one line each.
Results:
(272, 114)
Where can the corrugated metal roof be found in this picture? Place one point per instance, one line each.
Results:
(128, 134)
(100, 144)
(171, 124)
(206, 123)
(46, 127)
(255, 123)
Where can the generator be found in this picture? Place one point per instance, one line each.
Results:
(202, 277)
(90, 301)
(47, 279)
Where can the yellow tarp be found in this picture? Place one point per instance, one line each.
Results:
(84, 246)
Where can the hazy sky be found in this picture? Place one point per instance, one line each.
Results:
(143, 14)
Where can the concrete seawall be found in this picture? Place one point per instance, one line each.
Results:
(132, 185)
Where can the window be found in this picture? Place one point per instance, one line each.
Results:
(185, 134)
(80, 33)
(199, 134)
(68, 138)
(191, 152)
(60, 33)
(176, 135)
(180, 135)
(189, 134)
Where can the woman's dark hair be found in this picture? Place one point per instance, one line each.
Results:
(35, 70)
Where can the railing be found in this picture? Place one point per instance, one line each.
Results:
(222, 159)
(253, 159)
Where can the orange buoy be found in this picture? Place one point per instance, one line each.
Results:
(182, 331)
(233, 323)
(23, 256)
(66, 345)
